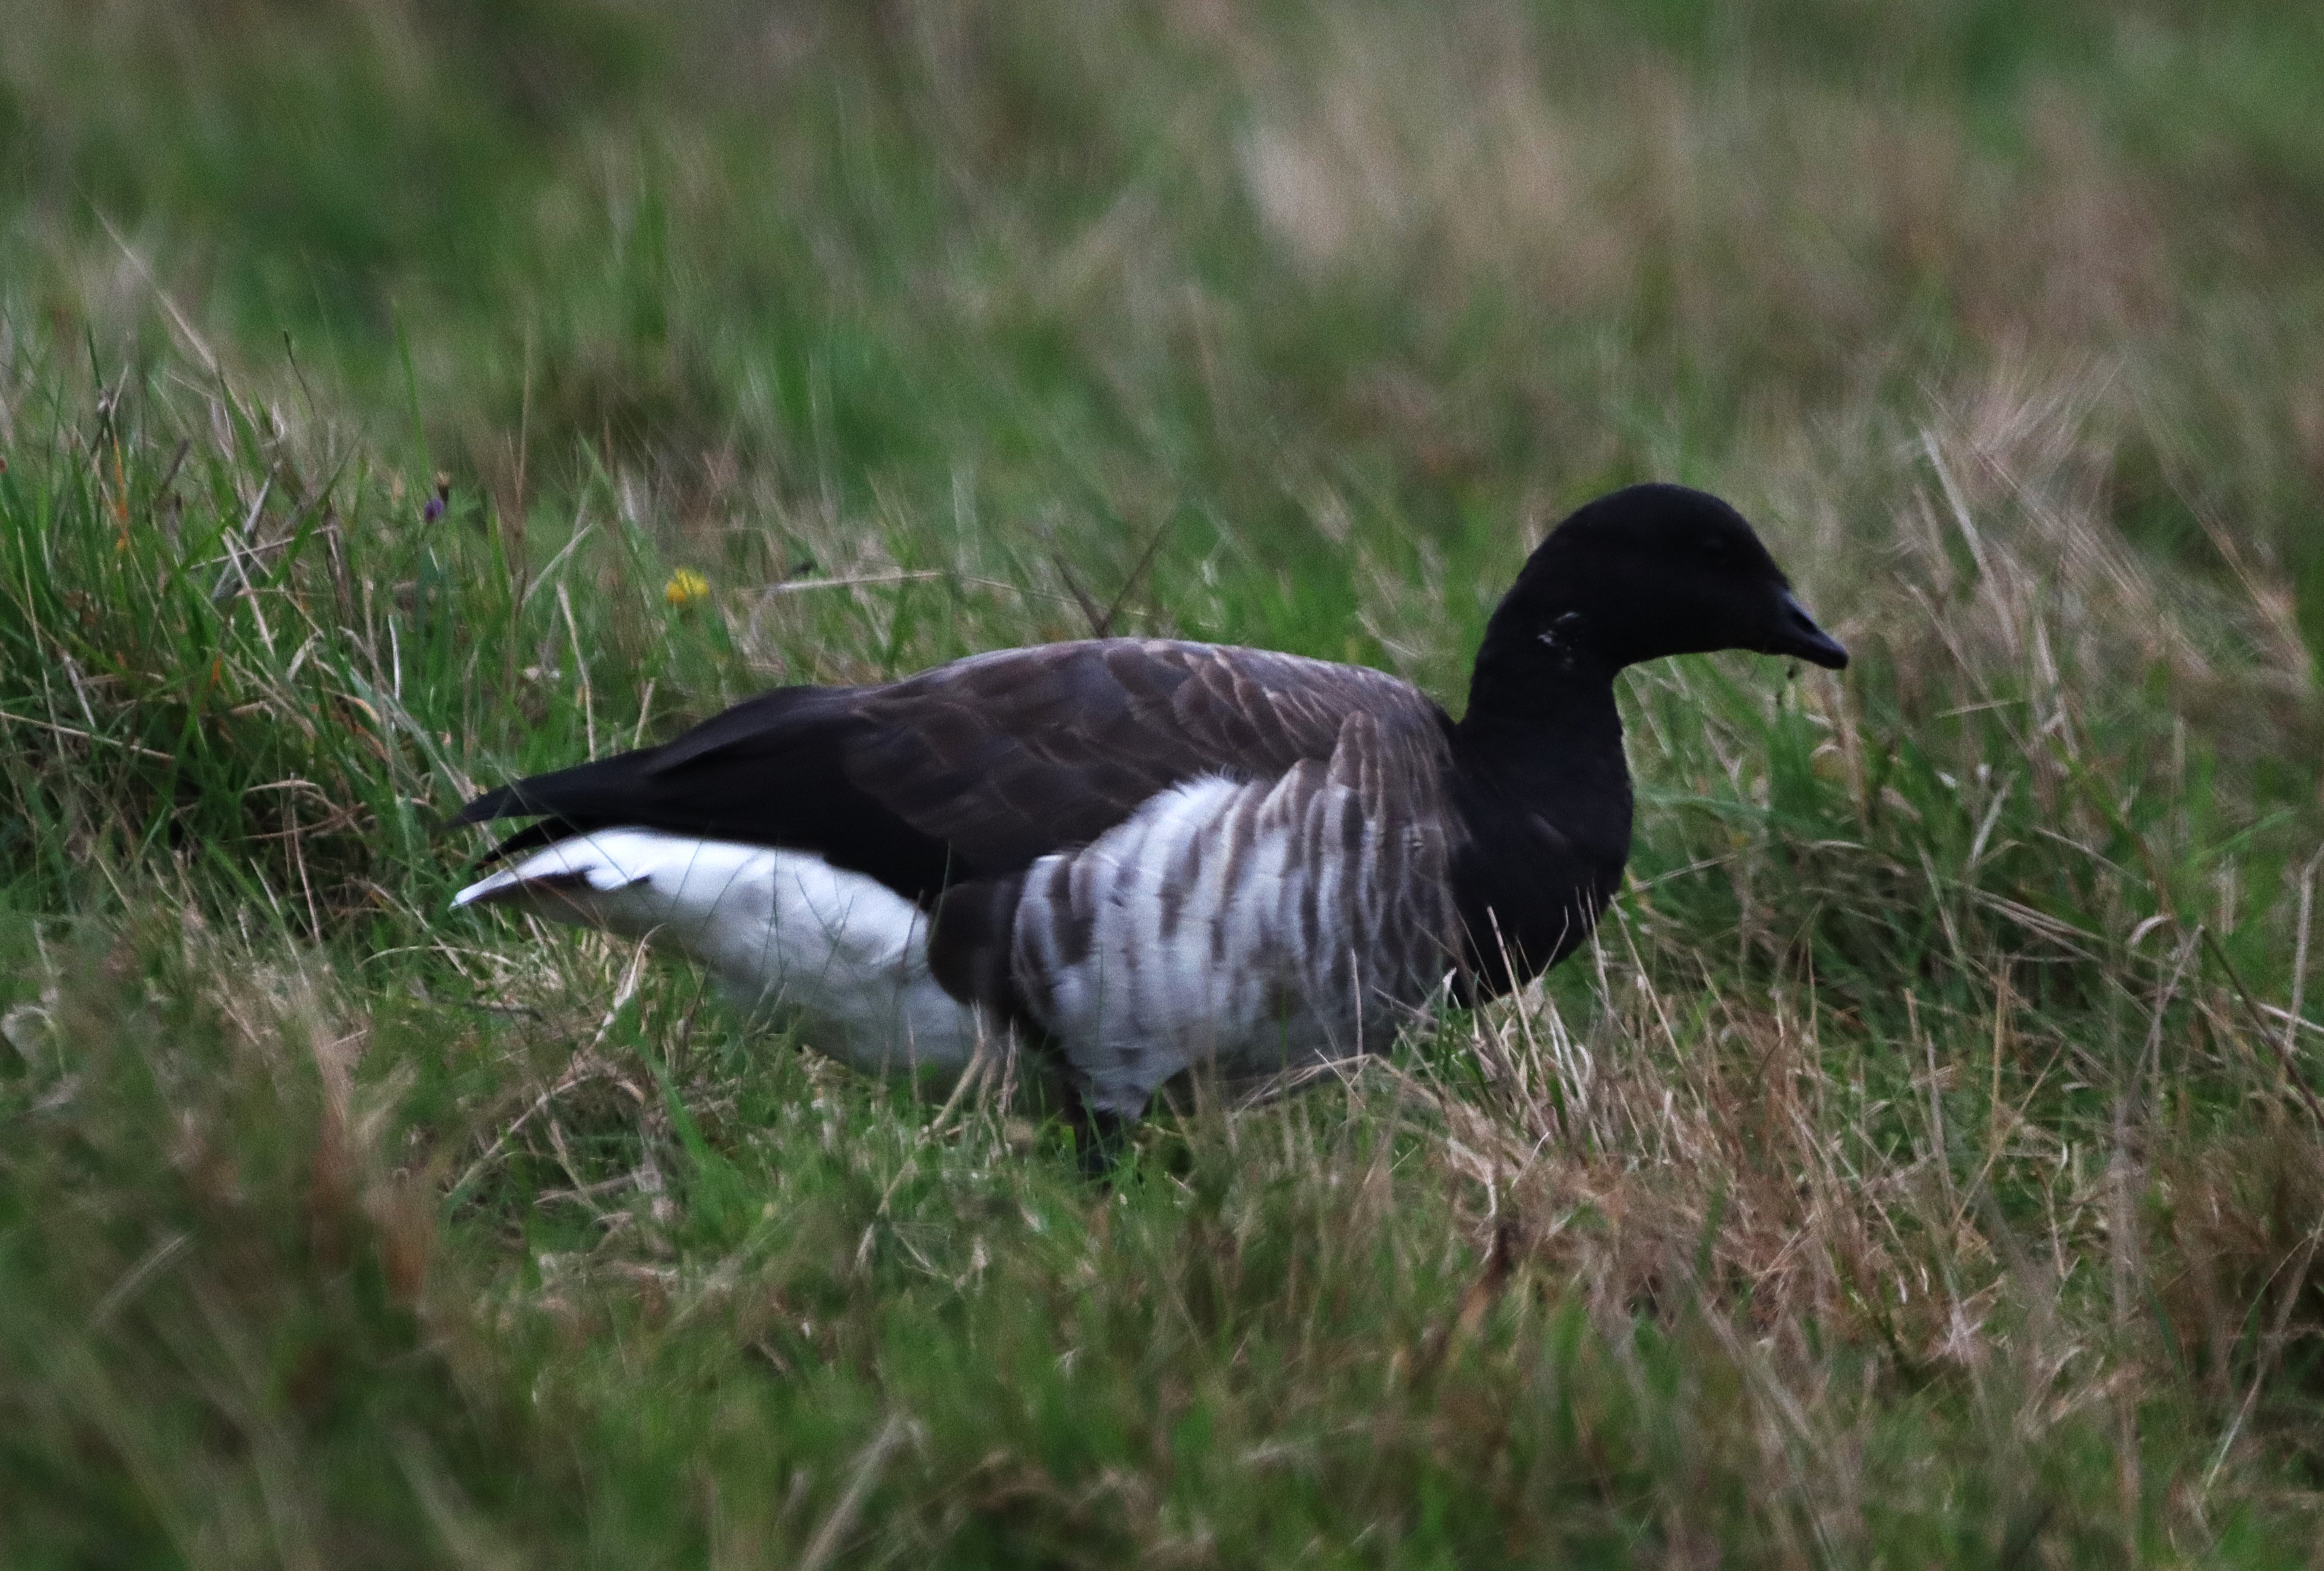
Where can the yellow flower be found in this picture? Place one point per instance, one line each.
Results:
(685, 587)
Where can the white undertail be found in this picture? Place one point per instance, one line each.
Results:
(784, 931)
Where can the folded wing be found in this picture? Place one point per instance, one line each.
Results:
(974, 770)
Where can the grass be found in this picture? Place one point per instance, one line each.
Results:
(1925, 1166)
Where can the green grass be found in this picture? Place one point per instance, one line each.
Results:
(1926, 1166)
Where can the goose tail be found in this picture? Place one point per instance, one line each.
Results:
(556, 880)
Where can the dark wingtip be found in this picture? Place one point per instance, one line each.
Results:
(547, 832)
(510, 802)
(481, 808)
(501, 802)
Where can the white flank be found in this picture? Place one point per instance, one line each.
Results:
(783, 932)
(1197, 956)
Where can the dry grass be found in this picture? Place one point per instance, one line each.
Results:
(1925, 1165)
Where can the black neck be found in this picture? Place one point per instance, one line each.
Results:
(1544, 801)
(1550, 736)
(1535, 678)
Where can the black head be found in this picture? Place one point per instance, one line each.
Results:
(1650, 571)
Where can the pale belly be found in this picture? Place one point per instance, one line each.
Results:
(1246, 928)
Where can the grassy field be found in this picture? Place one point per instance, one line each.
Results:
(1925, 1168)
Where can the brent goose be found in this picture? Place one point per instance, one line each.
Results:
(1142, 854)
